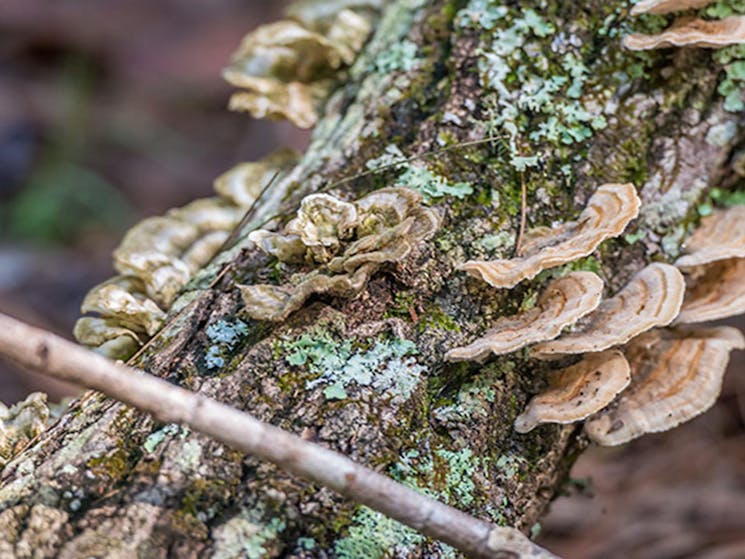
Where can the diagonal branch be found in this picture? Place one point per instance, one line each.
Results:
(56, 357)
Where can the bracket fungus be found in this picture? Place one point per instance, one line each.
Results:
(720, 235)
(564, 301)
(156, 258)
(652, 298)
(346, 243)
(123, 298)
(715, 268)
(106, 336)
(154, 249)
(21, 423)
(242, 185)
(319, 15)
(676, 375)
(692, 32)
(714, 291)
(287, 68)
(577, 392)
(667, 6)
(609, 210)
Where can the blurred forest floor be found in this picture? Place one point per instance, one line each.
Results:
(112, 110)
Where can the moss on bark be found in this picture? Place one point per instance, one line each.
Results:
(107, 481)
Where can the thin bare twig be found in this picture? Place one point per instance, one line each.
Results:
(523, 212)
(406, 160)
(54, 356)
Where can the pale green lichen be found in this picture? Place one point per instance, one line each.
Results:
(446, 475)
(475, 397)
(497, 242)
(189, 455)
(632, 238)
(373, 535)
(227, 332)
(399, 57)
(245, 536)
(387, 366)
(225, 335)
(459, 479)
(728, 198)
(533, 102)
(155, 438)
(418, 177)
(721, 134)
(306, 544)
(510, 464)
(732, 87)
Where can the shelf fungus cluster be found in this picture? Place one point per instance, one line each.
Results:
(159, 255)
(608, 212)
(652, 298)
(287, 68)
(577, 392)
(715, 266)
(686, 31)
(677, 375)
(677, 372)
(637, 374)
(564, 301)
(20, 423)
(344, 242)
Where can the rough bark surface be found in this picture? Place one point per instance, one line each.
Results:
(105, 481)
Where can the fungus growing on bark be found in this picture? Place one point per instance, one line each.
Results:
(150, 251)
(652, 298)
(676, 375)
(287, 69)
(21, 423)
(322, 223)
(577, 392)
(667, 6)
(714, 291)
(319, 15)
(153, 250)
(106, 336)
(564, 301)
(609, 210)
(156, 258)
(715, 268)
(208, 214)
(123, 298)
(347, 241)
(692, 32)
(720, 236)
(243, 184)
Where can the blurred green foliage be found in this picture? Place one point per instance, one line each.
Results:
(63, 198)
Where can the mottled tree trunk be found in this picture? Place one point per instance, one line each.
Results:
(105, 481)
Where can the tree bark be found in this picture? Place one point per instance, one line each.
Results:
(106, 481)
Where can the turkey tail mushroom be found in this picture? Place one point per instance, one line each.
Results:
(667, 6)
(563, 302)
(609, 210)
(676, 375)
(577, 392)
(692, 32)
(715, 268)
(652, 298)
